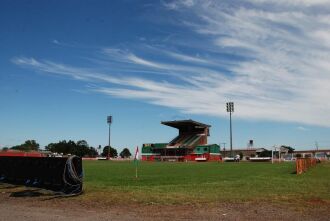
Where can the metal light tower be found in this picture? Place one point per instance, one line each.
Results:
(230, 109)
(109, 121)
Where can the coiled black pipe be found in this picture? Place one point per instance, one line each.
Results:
(64, 175)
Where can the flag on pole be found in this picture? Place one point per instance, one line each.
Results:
(136, 159)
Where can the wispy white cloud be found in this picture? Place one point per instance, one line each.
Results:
(175, 5)
(302, 128)
(187, 58)
(55, 42)
(294, 2)
(281, 73)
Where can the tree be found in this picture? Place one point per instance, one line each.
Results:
(5, 149)
(113, 152)
(265, 153)
(240, 155)
(81, 148)
(65, 147)
(93, 152)
(125, 153)
(290, 149)
(29, 145)
(82, 143)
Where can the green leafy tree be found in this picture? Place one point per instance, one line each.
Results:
(29, 145)
(93, 152)
(65, 147)
(125, 153)
(290, 149)
(240, 155)
(82, 143)
(113, 152)
(265, 153)
(81, 148)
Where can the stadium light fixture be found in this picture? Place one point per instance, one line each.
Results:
(230, 109)
(109, 121)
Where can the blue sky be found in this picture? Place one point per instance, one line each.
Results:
(66, 65)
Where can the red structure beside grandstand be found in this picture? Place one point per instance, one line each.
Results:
(189, 145)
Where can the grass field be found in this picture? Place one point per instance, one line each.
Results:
(186, 183)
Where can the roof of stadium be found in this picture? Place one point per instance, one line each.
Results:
(182, 123)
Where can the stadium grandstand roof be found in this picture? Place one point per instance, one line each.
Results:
(182, 123)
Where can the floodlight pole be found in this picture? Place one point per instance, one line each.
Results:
(109, 141)
(231, 137)
(230, 109)
(109, 121)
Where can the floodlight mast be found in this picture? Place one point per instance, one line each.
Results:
(109, 121)
(230, 109)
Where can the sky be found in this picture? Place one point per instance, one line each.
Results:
(66, 65)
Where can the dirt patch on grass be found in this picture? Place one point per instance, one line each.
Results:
(318, 201)
(28, 206)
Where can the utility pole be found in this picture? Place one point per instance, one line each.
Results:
(230, 109)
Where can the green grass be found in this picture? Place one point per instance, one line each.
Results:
(185, 183)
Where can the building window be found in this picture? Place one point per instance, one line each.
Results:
(205, 148)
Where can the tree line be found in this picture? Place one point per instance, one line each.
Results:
(79, 148)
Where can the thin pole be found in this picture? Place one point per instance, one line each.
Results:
(279, 155)
(136, 171)
(109, 141)
(224, 149)
(231, 138)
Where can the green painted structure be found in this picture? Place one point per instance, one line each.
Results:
(189, 145)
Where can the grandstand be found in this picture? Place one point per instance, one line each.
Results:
(189, 145)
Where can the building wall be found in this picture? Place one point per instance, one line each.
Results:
(150, 152)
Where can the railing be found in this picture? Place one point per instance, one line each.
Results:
(171, 157)
(195, 141)
(185, 140)
(189, 139)
(181, 139)
(174, 140)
